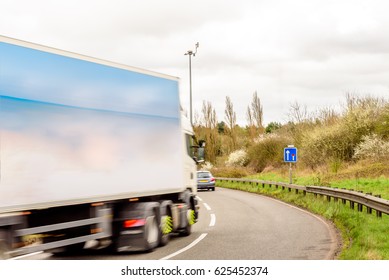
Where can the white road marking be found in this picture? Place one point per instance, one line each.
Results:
(213, 220)
(26, 256)
(201, 237)
(199, 198)
(207, 206)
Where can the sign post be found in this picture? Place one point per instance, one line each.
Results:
(290, 155)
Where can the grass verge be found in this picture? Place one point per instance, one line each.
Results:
(365, 237)
(375, 186)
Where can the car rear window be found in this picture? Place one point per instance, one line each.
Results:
(203, 175)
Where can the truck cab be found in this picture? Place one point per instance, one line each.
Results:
(189, 159)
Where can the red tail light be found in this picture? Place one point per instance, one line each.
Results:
(134, 223)
(213, 179)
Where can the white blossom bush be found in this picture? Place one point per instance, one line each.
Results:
(266, 137)
(207, 166)
(237, 158)
(372, 147)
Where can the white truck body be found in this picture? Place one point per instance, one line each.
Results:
(76, 130)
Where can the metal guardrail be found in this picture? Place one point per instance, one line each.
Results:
(360, 199)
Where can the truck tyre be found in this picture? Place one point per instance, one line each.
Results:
(165, 229)
(191, 213)
(191, 218)
(166, 222)
(151, 233)
(4, 248)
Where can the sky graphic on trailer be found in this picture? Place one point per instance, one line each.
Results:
(62, 125)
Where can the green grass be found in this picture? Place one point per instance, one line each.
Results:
(364, 236)
(367, 185)
(376, 186)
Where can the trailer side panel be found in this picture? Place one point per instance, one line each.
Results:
(75, 131)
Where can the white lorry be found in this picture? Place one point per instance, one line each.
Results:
(90, 150)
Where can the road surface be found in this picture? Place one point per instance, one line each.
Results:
(236, 225)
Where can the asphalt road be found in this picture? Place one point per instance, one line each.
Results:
(236, 225)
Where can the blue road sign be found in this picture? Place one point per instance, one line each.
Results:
(290, 154)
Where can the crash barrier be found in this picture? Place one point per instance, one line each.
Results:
(357, 199)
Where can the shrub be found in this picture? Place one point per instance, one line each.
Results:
(372, 147)
(332, 143)
(382, 126)
(336, 143)
(230, 172)
(267, 150)
(237, 158)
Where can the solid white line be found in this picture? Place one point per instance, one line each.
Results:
(201, 237)
(207, 206)
(213, 220)
(25, 256)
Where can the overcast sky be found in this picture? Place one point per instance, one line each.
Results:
(311, 52)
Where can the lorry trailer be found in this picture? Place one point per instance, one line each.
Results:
(90, 150)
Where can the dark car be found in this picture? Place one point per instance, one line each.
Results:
(205, 180)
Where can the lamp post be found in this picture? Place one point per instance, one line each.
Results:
(190, 53)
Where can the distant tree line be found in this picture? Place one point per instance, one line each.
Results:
(324, 138)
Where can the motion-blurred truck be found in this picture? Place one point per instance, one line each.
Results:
(91, 153)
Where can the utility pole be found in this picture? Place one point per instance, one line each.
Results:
(190, 53)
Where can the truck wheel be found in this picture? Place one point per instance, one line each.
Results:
(166, 228)
(191, 219)
(4, 248)
(151, 233)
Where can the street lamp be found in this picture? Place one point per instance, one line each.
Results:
(190, 53)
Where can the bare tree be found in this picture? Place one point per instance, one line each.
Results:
(196, 119)
(326, 116)
(230, 114)
(230, 117)
(211, 133)
(255, 117)
(249, 117)
(298, 113)
(209, 115)
(257, 111)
